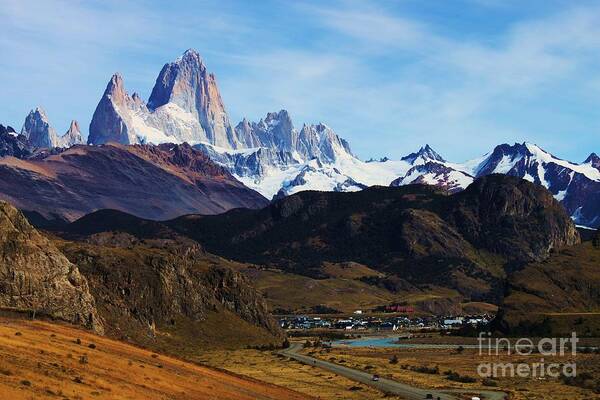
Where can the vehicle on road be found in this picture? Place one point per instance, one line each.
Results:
(375, 378)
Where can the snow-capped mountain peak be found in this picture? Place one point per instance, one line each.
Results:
(593, 160)
(425, 154)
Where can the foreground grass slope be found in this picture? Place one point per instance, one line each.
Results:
(40, 360)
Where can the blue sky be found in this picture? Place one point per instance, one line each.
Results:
(388, 76)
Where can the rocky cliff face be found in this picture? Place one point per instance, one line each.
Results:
(35, 276)
(511, 216)
(282, 159)
(276, 132)
(144, 286)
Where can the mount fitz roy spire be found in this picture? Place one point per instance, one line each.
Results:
(41, 134)
(188, 84)
(185, 106)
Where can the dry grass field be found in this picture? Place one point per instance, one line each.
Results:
(377, 360)
(40, 360)
(270, 367)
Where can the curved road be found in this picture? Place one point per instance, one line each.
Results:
(385, 385)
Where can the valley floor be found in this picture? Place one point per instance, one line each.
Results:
(277, 369)
(409, 362)
(41, 360)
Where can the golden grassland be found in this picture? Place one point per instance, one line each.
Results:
(42, 360)
(282, 371)
(377, 360)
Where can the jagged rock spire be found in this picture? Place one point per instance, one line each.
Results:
(185, 106)
(37, 129)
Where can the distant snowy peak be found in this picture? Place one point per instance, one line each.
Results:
(424, 155)
(72, 136)
(40, 134)
(501, 159)
(593, 160)
(529, 161)
(321, 142)
(276, 131)
(185, 106)
(436, 174)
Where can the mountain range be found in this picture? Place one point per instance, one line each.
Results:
(276, 159)
(416, 245)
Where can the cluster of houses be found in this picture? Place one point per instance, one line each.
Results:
(361, 322)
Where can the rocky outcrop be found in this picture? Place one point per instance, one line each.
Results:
(276, 132)
(142, 286)
(511, 216)
(36, 277)
(13, 144)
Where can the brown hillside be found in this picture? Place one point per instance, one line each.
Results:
(39, 360)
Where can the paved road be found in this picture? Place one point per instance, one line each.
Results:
(385, 385)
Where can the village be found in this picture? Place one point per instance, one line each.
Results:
(375, 323)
